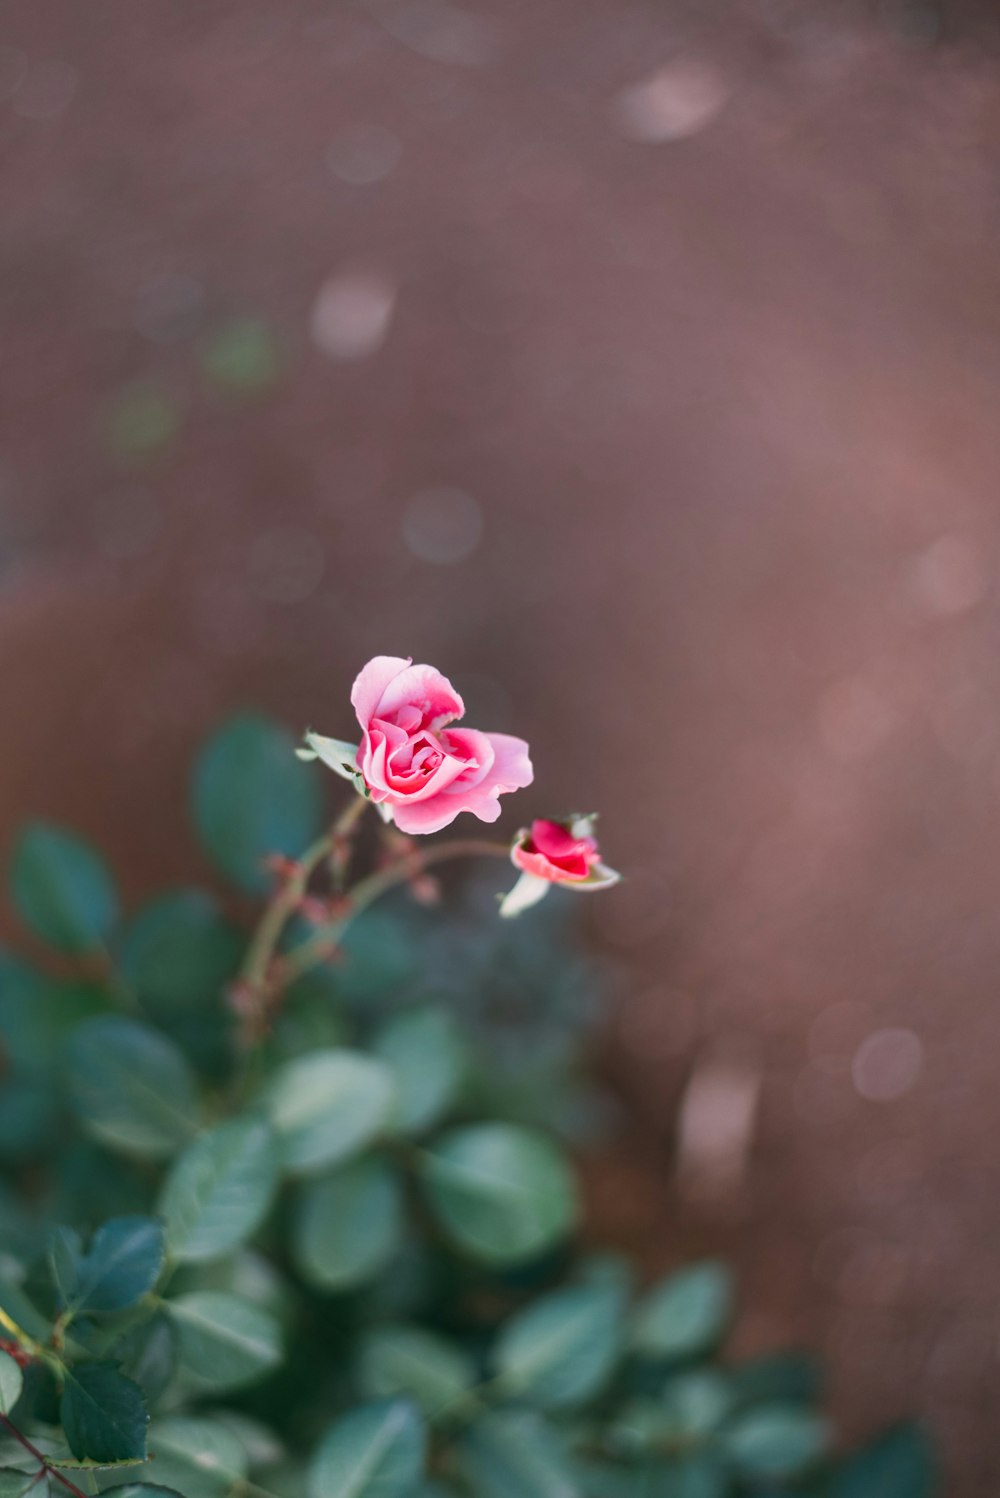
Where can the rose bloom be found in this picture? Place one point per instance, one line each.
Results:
(419, 769)
(550, 853)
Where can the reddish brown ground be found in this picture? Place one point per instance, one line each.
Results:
(728, 406)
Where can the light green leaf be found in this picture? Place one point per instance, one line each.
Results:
(219, 1191)
(686, 1314)
(775, 1442)
(199, 1457)
(562, 1350)
(62, 889)
(146, 1490)
(252, 798)
(416, 1364)
(103, 1414)
(423, 1048)
(122, 1264)
(376, 1451)
(515, 1454)
(131, 1087)
(327, 1106)
(503, 1193)
(898, 1464)
(11, 1383)
(348, 1225)
(225, 1342)
(14, 1484)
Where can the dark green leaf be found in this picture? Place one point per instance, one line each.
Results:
(225, 1342)
(131, 1086)
(503, 1193)
(778, 1378)
(423, 1049)
(514, 1454)
(898, 1464)
(179, 950)
(561, 1350)
(11, 1383)
(103, 1414)
(376, 1451)
(327, 1106)
(122, 1265)
(415, 1364)
(252, 798)
(775, 1442)
(62, 889)
(348, 1225)
(219, 1191)
(685, 1315)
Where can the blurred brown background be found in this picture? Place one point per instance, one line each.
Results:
(635, 363)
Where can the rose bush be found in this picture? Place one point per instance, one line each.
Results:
(292, 1213)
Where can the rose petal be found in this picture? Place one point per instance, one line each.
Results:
(427, 689)
(371, 681)
(512, 767)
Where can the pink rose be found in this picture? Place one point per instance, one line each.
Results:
(419, 769)
(550, 853)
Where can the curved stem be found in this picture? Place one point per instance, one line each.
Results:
(265, 939)
(368, 890)
(43, 1463)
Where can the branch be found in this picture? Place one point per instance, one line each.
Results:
(42, 1460)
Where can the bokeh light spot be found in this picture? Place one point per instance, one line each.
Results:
(443, 525)
(887, 1064)
(363, 154)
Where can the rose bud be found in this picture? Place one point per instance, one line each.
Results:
(550, 853)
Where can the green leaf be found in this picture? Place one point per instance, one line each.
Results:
(252, 798)
(562, 1350)
(146, 1490)
(178, 952)
(103, 1414)
(775, 1442)
(198, 1457)
(696, 1403)
(11, 1383)
(131, 1087)
(898, 1464)
(515, 1454)
(14, 1484)
(424, 1050)
(122, 1265)
(220, 1190)
(416, 1364)
(348, 1225)
(327, 1106)
(686, 1314)
(376, 1451)
(148, 1356)
(778, 1378)
(225, 1342)
(62, 889)
(503, 1193)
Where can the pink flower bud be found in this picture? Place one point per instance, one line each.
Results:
(550, 853)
